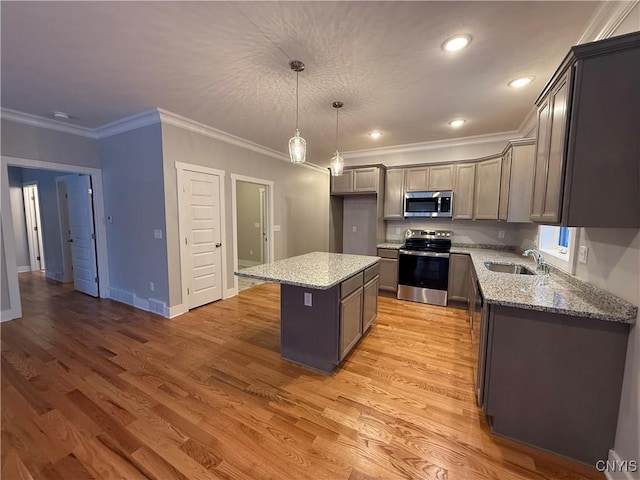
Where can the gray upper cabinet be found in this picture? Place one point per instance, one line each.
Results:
(517, 178)
(487, 192)
(417, 179)
(356, 180)
(588, 144)
(463, 191)
(440, 177)
(394, 194)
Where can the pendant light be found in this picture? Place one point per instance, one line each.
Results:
(297, 144)
(337, 162)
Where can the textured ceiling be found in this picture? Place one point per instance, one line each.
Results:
(225, 64)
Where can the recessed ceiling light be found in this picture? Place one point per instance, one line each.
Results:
(60, 115)
(521, 82)
(375, 135)
(457, 122)
(457, 42)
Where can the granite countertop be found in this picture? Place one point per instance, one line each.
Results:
(319, 270)
(555, 292)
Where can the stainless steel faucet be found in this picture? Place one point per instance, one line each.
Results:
(541, 265)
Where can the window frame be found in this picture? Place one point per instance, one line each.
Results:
(548, 242)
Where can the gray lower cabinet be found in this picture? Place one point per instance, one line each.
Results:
(554, 380)
(388, 281)
(350, 321)
(459, 273)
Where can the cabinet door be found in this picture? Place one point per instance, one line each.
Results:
(365, 180)
(463, 191)
(557, 142)
(520, 183)
(417, 179)
(370, 304)
(505, 186)
(350, 321)
(487, 198)
(540, 164)
(388, 274)
(394, 194)
(441, 177)
(342, 183)
(459, 274)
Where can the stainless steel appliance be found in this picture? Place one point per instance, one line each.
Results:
(423, 266)
(428, 204)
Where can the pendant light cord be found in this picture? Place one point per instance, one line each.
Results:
(337, 110)
(297, 76)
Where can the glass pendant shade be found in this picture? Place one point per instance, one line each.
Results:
(297, 148)
(337, 165)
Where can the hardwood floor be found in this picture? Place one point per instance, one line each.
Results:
(96, 389)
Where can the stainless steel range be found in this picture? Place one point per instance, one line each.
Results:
(423, 268)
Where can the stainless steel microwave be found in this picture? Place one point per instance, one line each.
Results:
(428, 204)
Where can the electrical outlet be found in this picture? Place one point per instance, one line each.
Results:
(583, 254)
(157, 234)
(308, 299)
(354, 229)
(398, 231)
(256, 224)
(276, 228)
(251, 252)
(501, 234)
(152, 286)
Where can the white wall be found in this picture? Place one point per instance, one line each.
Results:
(23, 259)
(301, 197)
(134, 198)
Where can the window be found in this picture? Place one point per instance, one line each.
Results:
(559, 245)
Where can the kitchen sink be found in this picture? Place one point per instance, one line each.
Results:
(501, 267)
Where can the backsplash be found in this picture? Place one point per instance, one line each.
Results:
(469, 232)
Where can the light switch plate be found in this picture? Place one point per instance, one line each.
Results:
(398, 231)
(308, 299)
(501, 234)
(256, 224)
(276, 228)
(583, 254)
(157, 234)
(354, 229)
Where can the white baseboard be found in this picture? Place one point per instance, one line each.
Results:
(172, 312)
(10, 314)
(230, 292)
(247, 263)
(24, 269)
(615, 460)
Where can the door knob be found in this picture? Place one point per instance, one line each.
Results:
(218, 245)
(70, 240)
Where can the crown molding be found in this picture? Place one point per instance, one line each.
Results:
(606, 20)
(43, 122)
(170, 118)
(528, 125)
(434, 145)
(126, 124)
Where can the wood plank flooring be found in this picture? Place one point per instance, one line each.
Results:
(96, 389)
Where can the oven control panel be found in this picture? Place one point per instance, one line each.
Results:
(427, 234)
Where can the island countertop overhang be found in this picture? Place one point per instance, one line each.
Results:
(318, 270)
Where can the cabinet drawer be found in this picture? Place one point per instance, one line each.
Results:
(371, 272)
(388, 252)
(351, 284)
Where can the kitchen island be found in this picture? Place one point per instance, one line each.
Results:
(328, 302)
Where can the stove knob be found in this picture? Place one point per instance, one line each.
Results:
(448, 234)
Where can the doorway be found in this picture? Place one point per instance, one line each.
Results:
(33, 224)
(252, 224)
(55, 236)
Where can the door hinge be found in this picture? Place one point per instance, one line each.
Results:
(66, 195)
(35, 228)
(38, 257)
(188, 291)
(185, 241)
(96, 280)
(93, 236)
(32, 197)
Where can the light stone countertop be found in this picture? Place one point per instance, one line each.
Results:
(555, 292)
(319, 270)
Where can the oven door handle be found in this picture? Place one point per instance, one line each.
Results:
(417, 253)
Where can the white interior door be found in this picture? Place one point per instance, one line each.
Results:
(34, 227)
(65, 232)
(82, 237)
(263, 225)
(201, 210)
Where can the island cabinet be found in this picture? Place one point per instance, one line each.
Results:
(487, 189)
(463, 191)
(554, 380)
(357, 180)
(587, 147)
(434, 178)
(394, 194)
